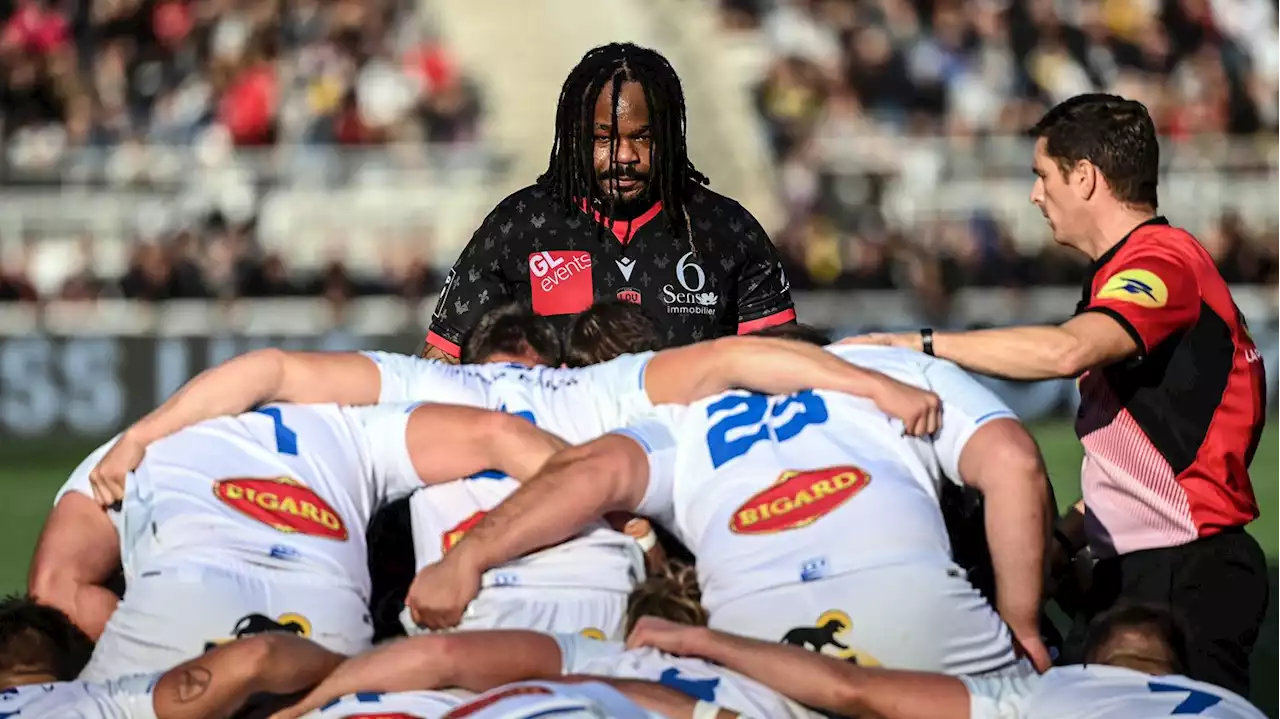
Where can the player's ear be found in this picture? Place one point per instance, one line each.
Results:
(1084, 179)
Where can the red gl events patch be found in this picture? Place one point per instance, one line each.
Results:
(561, 281)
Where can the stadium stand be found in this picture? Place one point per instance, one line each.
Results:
(300, 149)
(872, 105)
(191, 133)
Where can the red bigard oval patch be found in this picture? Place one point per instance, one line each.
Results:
(283, 504)
(798, 499)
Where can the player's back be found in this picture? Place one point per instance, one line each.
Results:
(694, 677)
(392, 705)
(533, 700)
(1104, 692)
(770, 491)
(577, 404)
(128, 698)
(287, 486)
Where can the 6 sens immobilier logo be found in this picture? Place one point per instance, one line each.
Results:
(798, 499)
(283, 504)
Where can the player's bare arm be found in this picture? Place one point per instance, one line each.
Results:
(475, 661)
(1002, 461)
(77, 552)
(1026, 353)
(574, 488)
(238, 385)
(217, 684)
(450, 441)
(778, 366)
(817, 681)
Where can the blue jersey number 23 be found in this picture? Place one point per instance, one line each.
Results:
(748, 413)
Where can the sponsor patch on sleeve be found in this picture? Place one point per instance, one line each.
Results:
(1141, 287)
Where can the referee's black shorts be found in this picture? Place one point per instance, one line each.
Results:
(1217, 585)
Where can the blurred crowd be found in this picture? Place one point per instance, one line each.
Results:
(903, 76)
(95, 91)
(222, 261)
(89, 87)
(212, 103)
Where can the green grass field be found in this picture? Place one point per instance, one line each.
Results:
(31, 472)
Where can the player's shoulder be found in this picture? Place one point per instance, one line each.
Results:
(723, 211)
(529, 197)
(1160, 240)
(1096, 681)
(893, 361)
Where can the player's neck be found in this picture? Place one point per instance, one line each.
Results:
(9, 680)
(1111, 228)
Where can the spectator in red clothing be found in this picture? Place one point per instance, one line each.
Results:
(34, 28)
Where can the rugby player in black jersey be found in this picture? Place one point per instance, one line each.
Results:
(622, 213)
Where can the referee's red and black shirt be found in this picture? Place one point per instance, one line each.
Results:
(727, 280)
(1168, 435)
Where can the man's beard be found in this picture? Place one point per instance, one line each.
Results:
(619, 207)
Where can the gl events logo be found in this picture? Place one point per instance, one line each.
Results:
(560, 281)
(692, 300)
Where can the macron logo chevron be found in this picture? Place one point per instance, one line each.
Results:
(625, 266)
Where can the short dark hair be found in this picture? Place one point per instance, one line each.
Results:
(511, 328)
(35, 638)
(796, 331)
(607, 329)
(1158, 621)
(1114, 134)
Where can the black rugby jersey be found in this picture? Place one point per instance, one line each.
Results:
(729, 281)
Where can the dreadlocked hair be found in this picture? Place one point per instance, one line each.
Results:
(570, 172)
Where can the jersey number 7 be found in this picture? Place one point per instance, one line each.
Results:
(749, 411)
(1195, 703)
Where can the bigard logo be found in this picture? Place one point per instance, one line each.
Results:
(283, 504)
(798, 499)
(450, 539)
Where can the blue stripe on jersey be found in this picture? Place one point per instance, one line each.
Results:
(286, 439)
(997, 413)
(635, 436)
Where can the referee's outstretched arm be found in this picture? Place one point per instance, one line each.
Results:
(1089, 340)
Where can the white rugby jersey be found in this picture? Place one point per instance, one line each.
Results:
(126, 698)
(524, 700)
(1099, 691)
(393, 705)
(770, 491)
(699, 679)
(577, 405)
(291, 486)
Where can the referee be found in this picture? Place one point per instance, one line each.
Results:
(620, 213)
(1171, 385)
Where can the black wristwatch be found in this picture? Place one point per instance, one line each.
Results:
(926, 341)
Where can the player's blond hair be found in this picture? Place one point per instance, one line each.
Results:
(672, 594)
